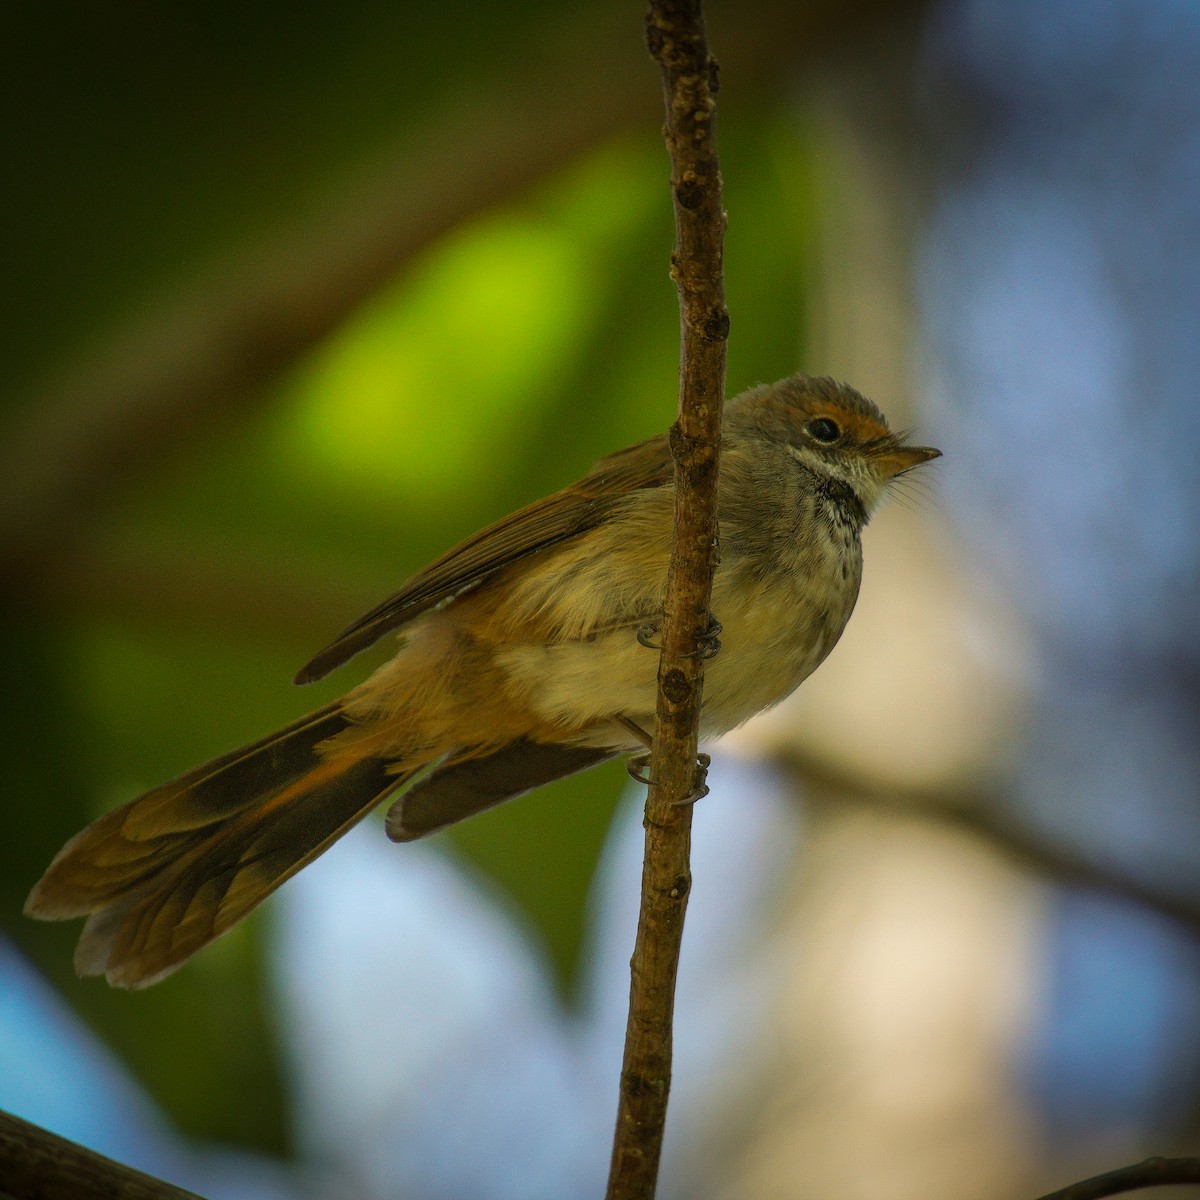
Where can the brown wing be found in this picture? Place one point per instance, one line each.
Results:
(544, 523)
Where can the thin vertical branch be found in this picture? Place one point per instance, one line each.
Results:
(676, 39)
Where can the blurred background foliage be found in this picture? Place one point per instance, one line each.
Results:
(173, 559)
(298, 295)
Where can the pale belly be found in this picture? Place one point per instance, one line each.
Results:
(770, 643)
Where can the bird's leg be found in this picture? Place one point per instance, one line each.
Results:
(638, 763)
(636, 766)
(638, 732)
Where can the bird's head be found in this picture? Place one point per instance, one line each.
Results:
(834, 432)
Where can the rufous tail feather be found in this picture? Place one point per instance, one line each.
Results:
(163, 876)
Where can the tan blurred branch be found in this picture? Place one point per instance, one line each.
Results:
(676, 38)
(38, 1165)
(982, 814)
(1154, 1172)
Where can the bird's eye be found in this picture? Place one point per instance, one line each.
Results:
(823, 430)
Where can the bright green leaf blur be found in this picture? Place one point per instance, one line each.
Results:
(450, 364)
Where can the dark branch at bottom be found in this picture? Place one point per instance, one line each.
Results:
(1154, 1172)
(36, 1164)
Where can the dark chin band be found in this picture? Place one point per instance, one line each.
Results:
(844, 498)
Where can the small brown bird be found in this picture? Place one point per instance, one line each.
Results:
(519, 663)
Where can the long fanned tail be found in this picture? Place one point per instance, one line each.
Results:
(163, 876)
(470, 784)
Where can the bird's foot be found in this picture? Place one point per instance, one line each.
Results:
(639, 764)
(708, 646)
(699, 782)
(647, 633)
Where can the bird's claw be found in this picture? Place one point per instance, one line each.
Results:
(646, 632)
(709, 644)
(638, 764)
(699, 782)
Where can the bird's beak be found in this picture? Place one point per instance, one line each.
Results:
(898, 459)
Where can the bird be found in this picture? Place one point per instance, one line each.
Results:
(521, 658)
